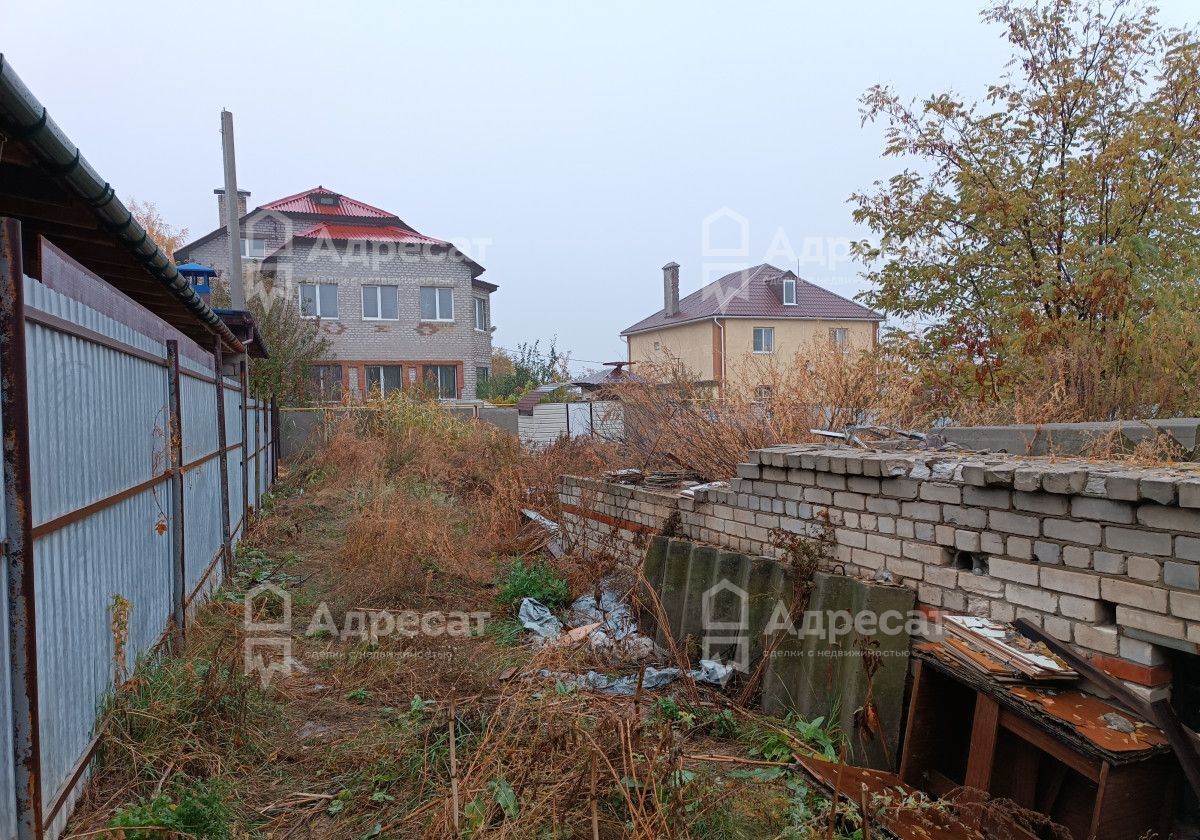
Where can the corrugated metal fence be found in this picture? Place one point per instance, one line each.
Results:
(123, 481)
(550, 421)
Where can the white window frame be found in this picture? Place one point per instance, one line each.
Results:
(839, 337)
(754, 342)
(481, 314)
(379, 302)
(246, 248)
(789, 285)
(437, 304)
(319, 315)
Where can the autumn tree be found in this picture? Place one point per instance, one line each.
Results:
(164, 235)
(1048, 235)
(293, 343)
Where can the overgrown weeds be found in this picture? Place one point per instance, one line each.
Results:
(436, 496)
(532, 578)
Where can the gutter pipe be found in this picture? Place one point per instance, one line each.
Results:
(24, 119)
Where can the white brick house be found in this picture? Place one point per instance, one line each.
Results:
(398, 307)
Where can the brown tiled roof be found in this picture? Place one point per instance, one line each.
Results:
(757, 293)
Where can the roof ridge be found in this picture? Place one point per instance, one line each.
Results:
(273, 205)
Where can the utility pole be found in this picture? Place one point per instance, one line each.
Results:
(237, 292)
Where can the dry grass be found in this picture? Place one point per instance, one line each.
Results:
(672, 422)
(434, 495)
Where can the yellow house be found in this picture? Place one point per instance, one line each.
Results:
(750, 314)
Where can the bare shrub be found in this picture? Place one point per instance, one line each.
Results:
(673, 422)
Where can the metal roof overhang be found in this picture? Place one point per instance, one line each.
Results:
(46, 183)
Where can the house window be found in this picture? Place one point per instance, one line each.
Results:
(437, 303)
(481, 314)
(325, 383)
(318, 300)
(379, 303)
(839, 337)
(254, 249)
(442, 380)
(764, 339)
(482, 374)
(789, 292)
(384, 379)
(327, 199)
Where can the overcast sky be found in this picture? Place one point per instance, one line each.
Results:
(572, 148)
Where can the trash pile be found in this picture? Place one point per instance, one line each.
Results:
(607, 624)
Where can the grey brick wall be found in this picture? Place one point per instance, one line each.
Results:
(1104, 556)
(355, 264)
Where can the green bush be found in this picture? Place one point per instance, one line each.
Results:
(536, 579)
(192, 810)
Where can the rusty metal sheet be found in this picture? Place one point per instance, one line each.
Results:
(907, 824)
(1065, 709)
(1084, 712)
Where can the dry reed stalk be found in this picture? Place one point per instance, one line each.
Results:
(453, 766)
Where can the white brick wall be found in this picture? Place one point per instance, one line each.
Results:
(354, 264)
(1091, 552)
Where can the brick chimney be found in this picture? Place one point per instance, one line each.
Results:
(671, 288)
(243, 197)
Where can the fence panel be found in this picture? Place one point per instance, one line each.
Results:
(254, 466)
(201, 487)
(550, 421)
(98, 423)
(104, 515)
(233, 440)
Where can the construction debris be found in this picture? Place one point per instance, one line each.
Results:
(887, 438)
(548, 535)
(654, 479)
(690, 492)
(999, 651)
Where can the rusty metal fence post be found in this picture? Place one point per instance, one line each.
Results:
(274, 439)
(223, 448)
(179, 568)
(22, 620)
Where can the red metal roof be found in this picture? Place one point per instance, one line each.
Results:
(368, 233)
(346, 207)
(757, 293)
